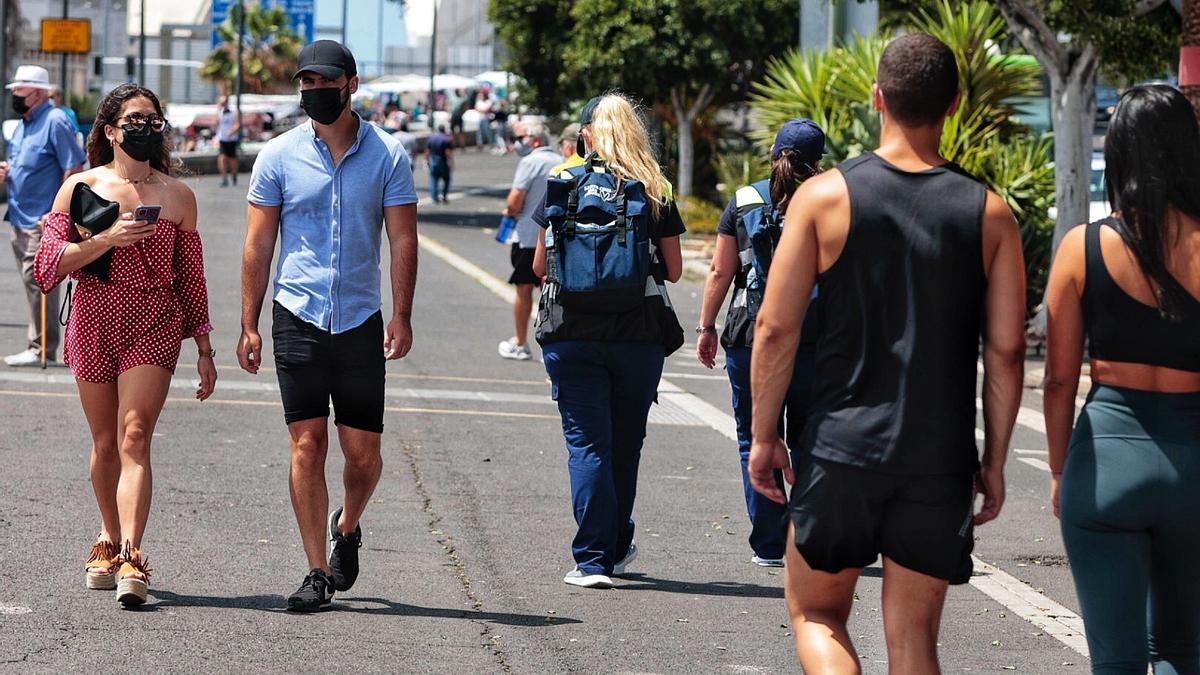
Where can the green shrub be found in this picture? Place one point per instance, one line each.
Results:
(700, 215)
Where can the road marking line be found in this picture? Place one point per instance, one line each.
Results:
(1052, 618)
(420, 376)
(1021, 451)
(1026, 417)
(1036, 608)
(697, 376)
(1035, 463)
(276, 404)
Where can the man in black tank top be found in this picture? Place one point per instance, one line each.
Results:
(917, 262)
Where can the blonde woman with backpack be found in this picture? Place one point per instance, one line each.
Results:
(609, 243)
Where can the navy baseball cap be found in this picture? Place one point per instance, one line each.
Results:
(803, 137)
(585, 118)
(327, 58)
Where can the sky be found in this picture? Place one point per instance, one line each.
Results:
(362, 27)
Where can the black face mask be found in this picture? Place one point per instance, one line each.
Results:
(324, 105)
(18, 105)
(142, 145)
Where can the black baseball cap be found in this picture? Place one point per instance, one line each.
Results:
(327, 58)
(585, 118)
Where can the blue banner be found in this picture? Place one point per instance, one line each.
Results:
(301, 16)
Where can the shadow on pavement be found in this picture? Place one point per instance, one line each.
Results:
(719, 588)
(277, 604)
(446, 215)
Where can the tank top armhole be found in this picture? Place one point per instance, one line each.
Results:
(842, 169)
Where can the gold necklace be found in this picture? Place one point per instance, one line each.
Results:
(140, 181)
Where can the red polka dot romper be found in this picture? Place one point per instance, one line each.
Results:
(154, 299)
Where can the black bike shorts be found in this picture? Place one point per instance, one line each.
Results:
(315, 366)
(846, 516)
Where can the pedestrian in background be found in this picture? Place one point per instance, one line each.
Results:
(605, 360)
(126, 326)
(917, 262)
(439, 155)
(57, 97)
(1126, 482)
(229, 135)
(567, 142)
(465, 103)
(44, 152)
(323, 190)
(527, 193)
(746, 235)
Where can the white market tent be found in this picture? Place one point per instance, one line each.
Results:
(412, 82)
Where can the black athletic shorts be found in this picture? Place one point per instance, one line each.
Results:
(522, 262)
(229, 148)
(846, 516)
(315, 366)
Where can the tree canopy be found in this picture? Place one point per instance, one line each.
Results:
(270, 51)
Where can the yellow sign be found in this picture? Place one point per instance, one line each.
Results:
(67, 36)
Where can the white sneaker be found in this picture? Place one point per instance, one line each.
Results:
(29, 357)
(619, 568)
(767, 562)
(509, 349)
(577, 578)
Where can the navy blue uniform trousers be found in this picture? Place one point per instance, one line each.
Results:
(768, 520)
(604, 391)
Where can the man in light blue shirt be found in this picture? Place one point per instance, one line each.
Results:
(324, 189)
(42, 153)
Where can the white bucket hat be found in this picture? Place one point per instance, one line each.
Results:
(31, 76)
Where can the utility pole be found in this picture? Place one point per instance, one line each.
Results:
(63, 59)
(142, 45)
(3, 70)
(345, 18)
(379, 45)
(241, 40)
(432, 66)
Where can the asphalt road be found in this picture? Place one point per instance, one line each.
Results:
(468, 536)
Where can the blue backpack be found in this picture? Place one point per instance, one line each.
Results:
(598, 247)
(759, 228)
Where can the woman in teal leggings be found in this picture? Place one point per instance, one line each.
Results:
(1126, 482)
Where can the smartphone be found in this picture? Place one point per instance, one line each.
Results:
(148, 213)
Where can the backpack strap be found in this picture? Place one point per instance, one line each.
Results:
(621, 220)
(749, 196)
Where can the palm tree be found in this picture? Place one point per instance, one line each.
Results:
(833, 88)
(270, 51)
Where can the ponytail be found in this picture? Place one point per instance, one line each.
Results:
(788, 171)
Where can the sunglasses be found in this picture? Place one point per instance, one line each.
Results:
(138, 122)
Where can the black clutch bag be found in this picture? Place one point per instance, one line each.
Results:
(92, 214)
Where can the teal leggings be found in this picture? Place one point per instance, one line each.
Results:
(1130, 504)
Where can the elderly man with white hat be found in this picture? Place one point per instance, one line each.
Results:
(42, 153)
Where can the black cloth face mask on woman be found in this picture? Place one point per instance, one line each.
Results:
(324, 105)
(141, 144)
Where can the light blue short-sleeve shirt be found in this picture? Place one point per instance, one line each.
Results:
(331, 220)
(42, 149)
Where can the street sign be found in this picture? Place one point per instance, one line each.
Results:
(67, 36)
(300, 16)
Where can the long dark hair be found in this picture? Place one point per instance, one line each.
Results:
(1152, 162)
(100, 150)
(787, 172)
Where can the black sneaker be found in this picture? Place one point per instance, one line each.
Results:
(313, 594)
(343, 558)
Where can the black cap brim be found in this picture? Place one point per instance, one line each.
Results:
(328, 72)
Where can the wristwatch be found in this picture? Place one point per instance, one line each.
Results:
(700, 330)
(210, 353)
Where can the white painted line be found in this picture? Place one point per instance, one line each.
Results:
(505, 291)
(979, 435)
(1021, 451)
(1035, 463)
(1052, 618)
(1026, 417)
(696, 376)
(14, 609)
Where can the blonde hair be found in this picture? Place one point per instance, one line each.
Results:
(620, 138)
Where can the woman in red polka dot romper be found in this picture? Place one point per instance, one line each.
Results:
(124, 335)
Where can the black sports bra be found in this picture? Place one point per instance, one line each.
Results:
(1121, 328)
